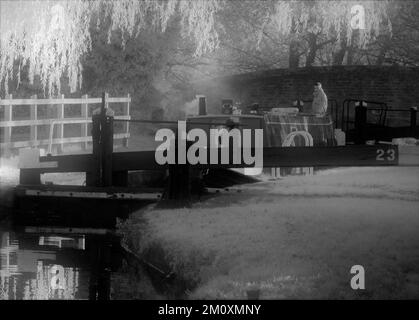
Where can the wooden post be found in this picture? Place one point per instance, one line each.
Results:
(360, 123)
(34, 117)
(93, 177)
(8, 130)
(107, 150)
(60, 126)
(125, 140)
(102, 135)
(413, 114)
(84, 126)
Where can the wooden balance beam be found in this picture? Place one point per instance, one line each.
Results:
(351, 155)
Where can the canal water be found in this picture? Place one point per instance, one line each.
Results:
(42, 262)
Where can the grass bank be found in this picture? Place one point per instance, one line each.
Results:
(293, 238)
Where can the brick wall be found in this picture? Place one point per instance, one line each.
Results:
(397, 86)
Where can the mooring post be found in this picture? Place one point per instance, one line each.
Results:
(360, 123)
(413, 114)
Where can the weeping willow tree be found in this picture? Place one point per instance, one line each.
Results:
(49, 38)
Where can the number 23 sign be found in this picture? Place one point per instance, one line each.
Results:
(389, 154)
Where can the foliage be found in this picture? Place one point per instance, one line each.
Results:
(403, 46)
(180, 40)
(272, 34)
(49, 37)
(52, 36)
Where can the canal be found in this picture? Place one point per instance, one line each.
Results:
(45, 254)
(50, 262)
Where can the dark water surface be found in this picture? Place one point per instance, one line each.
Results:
(67, 263)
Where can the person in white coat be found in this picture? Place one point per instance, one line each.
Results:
(319, 106)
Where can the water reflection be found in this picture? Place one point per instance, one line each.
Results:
(289, 171)
(54, 266)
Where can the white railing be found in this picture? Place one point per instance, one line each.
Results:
(7, 123)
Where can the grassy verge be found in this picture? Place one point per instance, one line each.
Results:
(293, 238)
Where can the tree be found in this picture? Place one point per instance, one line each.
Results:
(300, 33)
(403, 45)
(51, 38)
